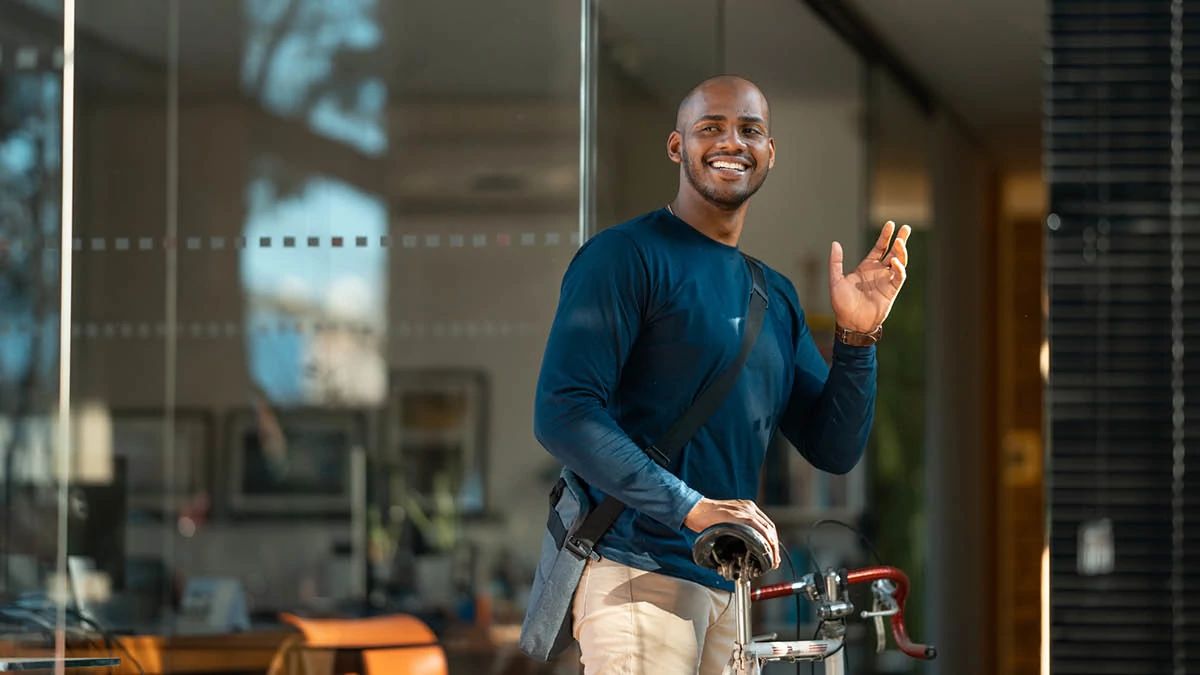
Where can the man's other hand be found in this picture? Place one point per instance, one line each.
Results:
(708, 512)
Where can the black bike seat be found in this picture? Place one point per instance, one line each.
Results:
(735, 544)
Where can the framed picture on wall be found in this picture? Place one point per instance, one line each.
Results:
(295, 460)
(138, 436)
(436, 433)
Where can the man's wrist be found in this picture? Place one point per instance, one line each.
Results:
(854, 338)
(689, 503)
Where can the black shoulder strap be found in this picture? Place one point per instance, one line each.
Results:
(582, 541)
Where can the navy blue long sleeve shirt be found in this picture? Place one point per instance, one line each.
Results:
(650, 313)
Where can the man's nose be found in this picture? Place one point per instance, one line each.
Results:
(731, 140)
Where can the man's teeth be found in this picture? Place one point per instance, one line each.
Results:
(728, 165)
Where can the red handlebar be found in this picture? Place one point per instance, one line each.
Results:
(898, 577)
(865, 575)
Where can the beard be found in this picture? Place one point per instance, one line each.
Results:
(726, 197)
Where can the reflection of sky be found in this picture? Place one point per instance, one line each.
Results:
(308, 59)
(290, 65)
(346, 284)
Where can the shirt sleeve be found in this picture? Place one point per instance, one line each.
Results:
(830, 410)
(605, 293)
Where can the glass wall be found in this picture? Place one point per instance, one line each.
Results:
(35, 507)
(317, 248)
(901, 190)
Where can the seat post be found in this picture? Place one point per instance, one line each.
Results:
(741, 607)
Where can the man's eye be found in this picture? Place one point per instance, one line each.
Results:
(709, 128)
(752, 130)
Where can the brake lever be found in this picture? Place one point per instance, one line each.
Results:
(882, 604)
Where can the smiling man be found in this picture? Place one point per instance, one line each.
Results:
(651, 312)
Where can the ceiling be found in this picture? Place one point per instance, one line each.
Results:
(982, 58)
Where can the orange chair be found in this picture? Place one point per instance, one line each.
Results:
(398, 644)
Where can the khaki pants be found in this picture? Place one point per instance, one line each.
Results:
(630, 622)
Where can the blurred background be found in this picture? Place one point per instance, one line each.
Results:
(315, 250)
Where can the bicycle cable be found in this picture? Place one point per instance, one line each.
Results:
(812, 558)
(812, 665)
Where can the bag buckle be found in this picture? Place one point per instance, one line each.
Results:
(581, 548)
(758, 290)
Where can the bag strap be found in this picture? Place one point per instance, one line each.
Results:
(582, 541)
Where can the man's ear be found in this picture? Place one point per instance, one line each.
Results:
(674, 143)
(771, 150)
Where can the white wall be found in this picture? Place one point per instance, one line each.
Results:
(959, 462)
(813, 196)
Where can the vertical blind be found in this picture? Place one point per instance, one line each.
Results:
(1122, 159)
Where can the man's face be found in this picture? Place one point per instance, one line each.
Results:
(724, 146)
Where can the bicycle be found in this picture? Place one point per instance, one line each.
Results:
(739, 553)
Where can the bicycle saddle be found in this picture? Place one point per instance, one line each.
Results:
(733, 549)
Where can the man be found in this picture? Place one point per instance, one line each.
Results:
(650, 313)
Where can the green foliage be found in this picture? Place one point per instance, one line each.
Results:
(896, 450)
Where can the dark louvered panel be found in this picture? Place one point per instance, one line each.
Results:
(1125, 339)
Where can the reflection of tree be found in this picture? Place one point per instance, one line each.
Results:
(278, 29)
(314, 60)
(311, 64)
(28, 166)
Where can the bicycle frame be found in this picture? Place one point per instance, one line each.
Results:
(829, 593)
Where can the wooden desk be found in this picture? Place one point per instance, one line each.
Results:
(468, 649)
(194, 654)
(49, 662)
(234, 653)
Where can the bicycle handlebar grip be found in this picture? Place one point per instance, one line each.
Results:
(867, 574)
(913, 649)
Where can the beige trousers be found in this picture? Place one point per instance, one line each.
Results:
(630, 622)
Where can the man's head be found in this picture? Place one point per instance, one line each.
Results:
(722, 140)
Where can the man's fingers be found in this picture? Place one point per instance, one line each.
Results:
(770, 531)
(900, 248)
(766, 528)
(836, 255)
(885, 237)
(899, 273)
(746, 511)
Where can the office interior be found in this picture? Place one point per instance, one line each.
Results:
(315, 252)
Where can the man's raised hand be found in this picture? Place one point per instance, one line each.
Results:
(863, 298)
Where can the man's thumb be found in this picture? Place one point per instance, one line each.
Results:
(835, 263)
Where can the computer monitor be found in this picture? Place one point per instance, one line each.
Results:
(96, 524)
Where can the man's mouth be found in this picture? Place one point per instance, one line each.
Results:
(729, 166)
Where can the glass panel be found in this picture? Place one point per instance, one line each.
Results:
(320, 247)
(814, 196)
(900, 191)
(33, 546)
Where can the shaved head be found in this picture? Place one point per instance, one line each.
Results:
(693, 104)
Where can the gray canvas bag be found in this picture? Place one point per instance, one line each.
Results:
(574, 527)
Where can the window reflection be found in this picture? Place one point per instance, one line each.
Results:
(310, 59)
(28, 211)
(334, 297)
(358, 333)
